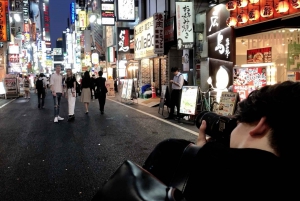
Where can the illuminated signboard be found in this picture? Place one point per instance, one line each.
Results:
(149, 37)
(123, 39)
(4, 22)
(46, 34)
(125, 10)
(82, 19)
(72, 13)
(108, 12)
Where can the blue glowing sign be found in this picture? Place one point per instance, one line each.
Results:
(72, 13)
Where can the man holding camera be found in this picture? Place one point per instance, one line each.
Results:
(258, 163)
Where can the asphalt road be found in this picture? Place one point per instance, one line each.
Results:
(42, 160)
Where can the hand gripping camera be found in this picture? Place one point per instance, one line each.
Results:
(218, 127)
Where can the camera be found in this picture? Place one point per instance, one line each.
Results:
(218, 127)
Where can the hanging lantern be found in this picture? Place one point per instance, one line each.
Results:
(231, 21)
(295, 3)
(242, 18)
(231, 5)
(267, 11)
(242, 3)
(282, 6)
(253, 1)
(253, 15)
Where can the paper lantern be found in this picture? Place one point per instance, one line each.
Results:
(242, 18)
(282, 7)
(253, 15)
(242, 3)
(231, 21)
(231, 5)
(253, 1)
(267, 11)
(295, 3)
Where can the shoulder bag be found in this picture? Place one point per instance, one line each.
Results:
(131, 182)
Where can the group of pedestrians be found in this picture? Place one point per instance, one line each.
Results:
(59, 86)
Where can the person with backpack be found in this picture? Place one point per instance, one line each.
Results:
(177, 84)
(40, 86)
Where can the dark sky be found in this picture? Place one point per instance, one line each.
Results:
(59, 12)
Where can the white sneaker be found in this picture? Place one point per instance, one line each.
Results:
(55, 120)
(60, 118)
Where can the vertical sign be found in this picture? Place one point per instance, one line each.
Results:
(169, 29)
(26, 11)
(4, 21)
(185, 34)
(125, 10)
(108, 12)
(72, 13)
(82, 19)
(123, 39)
(158, 23)
(46, 35)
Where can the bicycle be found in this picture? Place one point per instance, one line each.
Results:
(207, 103)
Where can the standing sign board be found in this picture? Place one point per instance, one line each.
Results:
(227, 103)
(129, 89)
(163, 98)
(188, 100)
(11, 86)
(247, 79)
(124, 89)
(110, 87)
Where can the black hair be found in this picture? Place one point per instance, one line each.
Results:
(100, 73)
(279, 103)
(174, 69)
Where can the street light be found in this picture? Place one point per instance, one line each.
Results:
(17, 17)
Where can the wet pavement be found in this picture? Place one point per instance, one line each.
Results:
(42, 160)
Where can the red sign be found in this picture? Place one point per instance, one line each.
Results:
(14, 58)
(46, 21)
(245, 80)
(169, 29)
(261, 55)
(3, 20)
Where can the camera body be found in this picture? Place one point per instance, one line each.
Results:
(218, 127)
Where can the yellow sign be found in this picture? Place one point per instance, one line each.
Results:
(82, 19)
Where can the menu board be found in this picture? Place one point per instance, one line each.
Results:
(227, 103)
(129, 89)
(10, 85)
(124, 88)
(110, 87)
(261, 55)
(188, 100)
(245, 80)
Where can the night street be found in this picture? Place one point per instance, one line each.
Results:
(42, 160)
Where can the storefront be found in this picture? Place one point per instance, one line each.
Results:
(149, 50)
(267, 43)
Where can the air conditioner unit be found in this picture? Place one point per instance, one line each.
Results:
(199, 28)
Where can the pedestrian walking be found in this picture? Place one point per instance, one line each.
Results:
(27, 87)
(101, 91)
(40, 86)
(85, 90)
(70, 84)
(56, 86)
(177, 84)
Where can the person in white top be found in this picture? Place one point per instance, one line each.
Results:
(177, 84)
(56, 86)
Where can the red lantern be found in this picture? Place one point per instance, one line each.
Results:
(282, 7)
(242, 3)
(231, 5)
(253, 15)
(267, 11)
(231, 21)
(242, 18)
(253, 1)
(295, 3)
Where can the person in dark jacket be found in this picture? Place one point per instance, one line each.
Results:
(259, 164)
(92, 87)
(101, 90)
